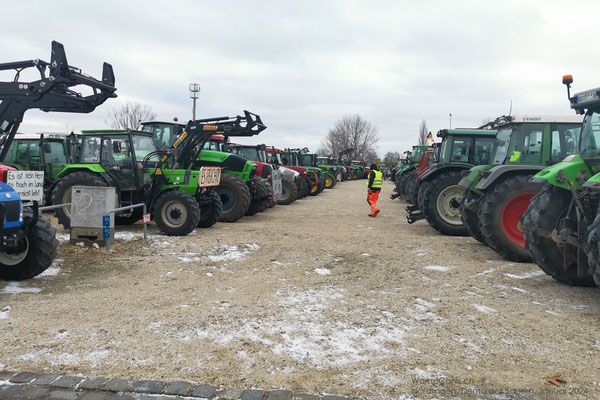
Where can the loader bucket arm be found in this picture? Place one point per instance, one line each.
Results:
(53, 92)
(198, 132)
(341, 154)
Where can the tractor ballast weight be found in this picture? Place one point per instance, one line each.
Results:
(29, 243)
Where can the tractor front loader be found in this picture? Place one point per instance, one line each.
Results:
(28, 242)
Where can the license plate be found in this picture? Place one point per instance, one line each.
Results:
(209, 176)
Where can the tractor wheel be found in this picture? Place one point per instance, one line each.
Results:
(469, 210)
(235, 197)
(593, 251)
(270, 194)
(412, 191)
(39, 250)
(260, 201)
(289, 192)
(423, 186)
(441, 202)
(62, 193)
(499, 212)
(321, 187)
(176, 213)
(406, 182)
(330, 181)
(313, 189)
(210, 212)
(303, 188)
(127, 219)
(547, 210)
(354, 175)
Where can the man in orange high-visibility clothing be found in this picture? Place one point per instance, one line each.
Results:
(374, 182)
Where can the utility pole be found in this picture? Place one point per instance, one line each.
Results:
(450, 114)
(194, 90)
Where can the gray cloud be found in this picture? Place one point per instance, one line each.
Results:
(302, 65)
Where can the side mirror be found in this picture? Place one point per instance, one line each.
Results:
(116, 147)
(46, 147)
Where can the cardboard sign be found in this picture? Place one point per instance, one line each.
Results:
(209, 176)
(28, 184)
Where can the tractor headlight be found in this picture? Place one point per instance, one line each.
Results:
(21, 214)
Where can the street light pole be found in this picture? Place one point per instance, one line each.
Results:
(194, 90)
(450, 114)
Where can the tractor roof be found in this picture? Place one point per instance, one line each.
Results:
(542, 119)
(164, 122)
(96, 132)
(37, 136)
(444, 133)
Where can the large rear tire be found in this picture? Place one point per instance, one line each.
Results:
(260, 198)
(547, 211)
(441, 202)
(176, 213)
(40, 251)
(235, 197)
(499, 213)
(289, 192)
(210, 212)
(469, 210)
(330, 181)
(62, 193)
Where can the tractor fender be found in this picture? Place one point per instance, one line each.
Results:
(501, 171)
(150, 204)
(443, 168)
(84, 168)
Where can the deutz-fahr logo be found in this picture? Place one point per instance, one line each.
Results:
(210, 128)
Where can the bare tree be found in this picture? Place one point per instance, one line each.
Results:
(423, 132)
(352, 132)
(130, 116)
(391, 157)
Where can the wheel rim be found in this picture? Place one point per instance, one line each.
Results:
(510, 217)
(66, 198)
(328, 181)
(14, 259)
(174, 214)
(314, 188)
(227, 198)
(448, 204)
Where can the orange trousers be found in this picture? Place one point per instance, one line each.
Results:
(372, 198)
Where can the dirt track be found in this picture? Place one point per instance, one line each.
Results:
(315, 297)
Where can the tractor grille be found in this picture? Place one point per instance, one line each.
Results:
(12, 210)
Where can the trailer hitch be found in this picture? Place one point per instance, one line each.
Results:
(414, 214)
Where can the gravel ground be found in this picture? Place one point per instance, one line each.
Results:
(314, 297)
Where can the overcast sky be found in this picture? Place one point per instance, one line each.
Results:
(302, 65)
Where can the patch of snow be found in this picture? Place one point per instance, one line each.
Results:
(4, 312)
(127, 236)
(519, 289)
(225, 253)
(439, 268)
(188, 259)
(15, 288)
(421, 254)
(53, 270)
(526, 275)
(487, 271)
(365, 254)
(552, 313)
(322, 271)
(277, 263)
(209, 274)
(484, 309)
(63, 237)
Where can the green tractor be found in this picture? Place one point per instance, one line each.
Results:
(407, 172)
(329, 164)
(496, 194)
(241, 191)
(43, 152)
(437, 191)
(353, 171)
(316, 177)
(309, 160)
(562, 223)
(179, 198)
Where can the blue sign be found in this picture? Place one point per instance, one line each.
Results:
(106, 226)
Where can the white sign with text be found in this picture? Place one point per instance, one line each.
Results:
(28, 184)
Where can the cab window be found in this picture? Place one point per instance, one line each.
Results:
(565, 138)
(55, 152)
(460, 149)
